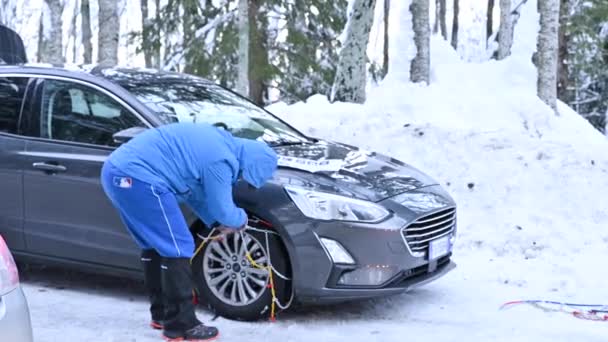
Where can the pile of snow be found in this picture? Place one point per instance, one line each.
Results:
(530, 184)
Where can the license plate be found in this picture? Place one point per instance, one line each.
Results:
(439, 247)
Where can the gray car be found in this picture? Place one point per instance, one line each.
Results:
(336, 223)
(15, 325)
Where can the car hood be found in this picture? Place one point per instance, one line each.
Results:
(347, 170)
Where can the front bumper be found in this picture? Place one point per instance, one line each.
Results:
(337, 295)
(379, 246)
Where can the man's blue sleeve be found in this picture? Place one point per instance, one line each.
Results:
(217, 182)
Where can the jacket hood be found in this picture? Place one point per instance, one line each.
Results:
(257, 161)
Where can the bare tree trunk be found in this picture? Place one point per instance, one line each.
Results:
(74, 31)
(506, 30)
(5, 18)
(351, 75)
(109, 27)
(547, 51)
(563, 73)
(258, 53)
(156, 47)
(421, 64)
(242, 84)
(145, 33)
(455, 24)
(442, 22)
(387, 7)
(436, 26)
(489, 21)
(40, 39)
(190, 18)
(87, 34)
(52, 37)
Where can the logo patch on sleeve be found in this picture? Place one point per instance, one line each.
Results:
(123, 182)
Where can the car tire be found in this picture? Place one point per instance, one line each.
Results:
(258, 308)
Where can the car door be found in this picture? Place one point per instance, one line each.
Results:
(67, 214)
(12, 92)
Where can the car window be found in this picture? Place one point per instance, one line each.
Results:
(77, 113)
(11, 98)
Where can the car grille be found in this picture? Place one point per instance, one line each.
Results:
(421, 232)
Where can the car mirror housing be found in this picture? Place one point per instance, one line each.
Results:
(125, 135)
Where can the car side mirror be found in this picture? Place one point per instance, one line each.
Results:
(125, 135)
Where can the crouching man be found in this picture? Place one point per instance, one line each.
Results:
(146, 179)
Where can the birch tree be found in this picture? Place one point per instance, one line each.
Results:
(145, 33)
(421, 64)
(442, 22)
(547, 51)
(455, 24)
(440, 13)
(74, 31)
(87, 34)
(242, 84)
(505, 30)
(563, 76)
(8, 13)
(489, 21)
(156, 60)
(109, 27)
(385, 50)
(51, 36)
(351, 76)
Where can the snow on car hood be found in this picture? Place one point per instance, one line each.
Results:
(347, 170)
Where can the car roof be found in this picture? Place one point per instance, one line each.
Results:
(95, 72)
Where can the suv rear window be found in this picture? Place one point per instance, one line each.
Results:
(11, 97)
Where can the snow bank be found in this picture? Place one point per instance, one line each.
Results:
(530, 184)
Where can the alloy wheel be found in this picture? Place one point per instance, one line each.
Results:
(229, 273)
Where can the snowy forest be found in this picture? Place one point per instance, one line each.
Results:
(286, 50)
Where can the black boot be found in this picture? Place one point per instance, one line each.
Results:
(180, 322)
(150, 260)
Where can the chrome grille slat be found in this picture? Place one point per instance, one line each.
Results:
(449, 213)
(425, 229)
(430, 239)
(417, 236)
(415, 229)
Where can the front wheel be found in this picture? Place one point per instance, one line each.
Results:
(234, 288)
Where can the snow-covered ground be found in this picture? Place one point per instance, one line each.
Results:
(531, 189)
(461, 306)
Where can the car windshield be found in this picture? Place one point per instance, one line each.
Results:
(190, 99)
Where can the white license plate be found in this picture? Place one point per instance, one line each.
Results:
(439, 247)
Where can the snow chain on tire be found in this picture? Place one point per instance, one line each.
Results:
(270, 268)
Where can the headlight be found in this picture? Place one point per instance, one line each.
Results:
(324, 206)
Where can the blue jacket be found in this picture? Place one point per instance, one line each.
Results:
(200, 164)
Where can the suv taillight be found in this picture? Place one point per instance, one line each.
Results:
(9, 275)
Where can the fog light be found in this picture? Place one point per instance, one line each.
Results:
(368, 276)
(336, 252)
